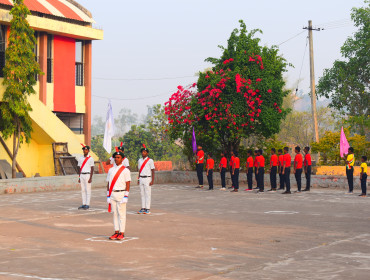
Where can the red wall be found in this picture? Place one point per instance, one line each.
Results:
(64, 74)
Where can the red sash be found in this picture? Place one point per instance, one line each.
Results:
(83, 164)
(115, 178)
(143, 165)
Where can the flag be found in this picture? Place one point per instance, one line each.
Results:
(343, 143)
(194, 142)
(109, 130)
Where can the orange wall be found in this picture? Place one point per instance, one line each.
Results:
(64, 74)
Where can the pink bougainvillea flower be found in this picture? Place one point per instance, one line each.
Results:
(269, 91)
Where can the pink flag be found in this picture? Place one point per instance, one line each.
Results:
(343, 143)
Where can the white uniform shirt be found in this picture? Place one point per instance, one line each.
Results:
(122, 179)
(147, 170)
(125, 162)
(87, 167)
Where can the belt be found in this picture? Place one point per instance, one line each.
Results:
(119, 190)
(85, 173)
(145, 176)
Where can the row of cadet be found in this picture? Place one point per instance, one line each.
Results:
(280, 163)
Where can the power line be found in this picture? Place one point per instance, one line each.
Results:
(142, 79)
(291, 38)
(300, 72)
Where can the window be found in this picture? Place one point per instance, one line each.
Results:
(2, 48)
(79, 64)
(73, 120)
(49, 71)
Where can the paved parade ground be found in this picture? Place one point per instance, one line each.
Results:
(191, 234)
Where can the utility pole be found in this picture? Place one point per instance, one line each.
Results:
(312, 75)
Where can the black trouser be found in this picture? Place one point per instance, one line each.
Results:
(308, 177)
(281, 177)
(223, 177)
(210, 179)
(287, 178)
(250, 178)
(298, 178)
(200, 173)
(261, 178)
(255, 176)
(236, 178)
(273, 177)
(349, 173)
(232, 177)
(363, 183)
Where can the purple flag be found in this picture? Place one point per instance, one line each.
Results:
(343, 143)
(194, 142)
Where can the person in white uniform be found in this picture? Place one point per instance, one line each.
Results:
(126, 162)
(145, 180)
(86, 171)
(119, 178)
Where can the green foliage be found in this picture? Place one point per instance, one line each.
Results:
(347, 82)
(329, 147)
(98, 149)
(240, 98)
(19, 78)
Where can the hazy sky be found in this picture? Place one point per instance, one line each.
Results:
(166, 39)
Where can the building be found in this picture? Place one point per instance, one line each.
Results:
(62, 104)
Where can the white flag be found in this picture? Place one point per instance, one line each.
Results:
(109, 130)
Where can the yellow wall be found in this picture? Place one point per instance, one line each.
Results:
(336, 170)
(50, 96)
(80, 99)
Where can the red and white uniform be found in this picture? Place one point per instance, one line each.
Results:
(144, 182)
(85, 177)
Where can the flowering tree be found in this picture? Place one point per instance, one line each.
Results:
(240, 97)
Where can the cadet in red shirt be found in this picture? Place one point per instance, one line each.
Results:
(236, 168)
(280, 168)
(231, 169)
(287, 161)
(273, 169)
(223, 167)
(249, 167)
(200, 165)
(260, 172)
(298, 164)
(307, 168)
(255, 167)
(210, 165)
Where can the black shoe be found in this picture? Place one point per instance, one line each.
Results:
(234, 190)
(209, 189)
(306, 190)
(286, 192)
(280, 189)
(272, 190)
(257, 188)
(87, 207)
(298, 191)
(261, 191)
(82, 207)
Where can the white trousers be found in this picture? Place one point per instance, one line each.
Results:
(85, 189)
(146, 192)
(119, 211)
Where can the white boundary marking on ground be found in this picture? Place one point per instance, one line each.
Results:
(105, 239)
(282, 212)
(28, 276)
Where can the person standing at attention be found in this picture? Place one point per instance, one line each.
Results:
(231, 164)
(363, 176)
(287, 161)
(146, 180)
(249, 167)
(273, 169)
(280, 169)
(223, 167)
(125, 159)
(298, 164)
(350, 162)
(86, 171)
(236, 168)
(255, 168)
(307, 168)
(210, 165)
(200, 166)
(261, 171)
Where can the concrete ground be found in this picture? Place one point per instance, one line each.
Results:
(192, 234)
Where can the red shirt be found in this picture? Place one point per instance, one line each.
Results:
(298, 161)
(223, 163)
(287, 159)
(261, 161)
(255, 161)
(274, 160)
(236, 162)
(307, 160)
(281, 160)
(232, 161)
(249, 162)
(210, 163)
(200, 155)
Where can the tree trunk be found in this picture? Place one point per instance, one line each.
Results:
(16, 140)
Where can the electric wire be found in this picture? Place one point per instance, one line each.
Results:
(300, 72)
(291, 38)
